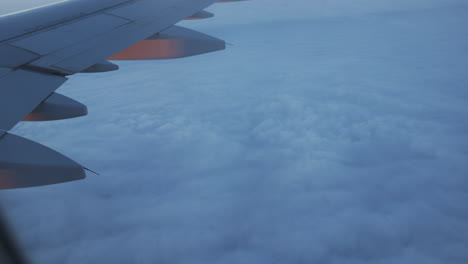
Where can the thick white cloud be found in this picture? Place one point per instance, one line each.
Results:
(334, 140)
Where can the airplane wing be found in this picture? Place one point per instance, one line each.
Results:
(40, 47)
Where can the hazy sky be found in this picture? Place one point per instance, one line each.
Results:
(274, 10)
(330, 132)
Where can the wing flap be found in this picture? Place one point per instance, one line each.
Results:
(21, 92)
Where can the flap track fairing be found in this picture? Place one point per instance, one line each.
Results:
(57, 107)
(24, 163)
(175, 42)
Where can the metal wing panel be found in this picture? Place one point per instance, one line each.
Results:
(138, 10)
(12, 57)
(4, 71)
(22, 91)
(41, 18)
(70, 34)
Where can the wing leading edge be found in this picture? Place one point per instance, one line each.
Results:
(41, 46)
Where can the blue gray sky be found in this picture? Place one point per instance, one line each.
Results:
(330, 132)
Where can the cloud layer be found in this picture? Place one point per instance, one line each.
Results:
(324, 140)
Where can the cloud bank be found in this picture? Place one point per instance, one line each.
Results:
(311, 140)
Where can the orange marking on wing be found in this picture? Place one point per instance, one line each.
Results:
(6, 179)
(151, 49)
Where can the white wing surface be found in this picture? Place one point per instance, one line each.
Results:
(39, 47)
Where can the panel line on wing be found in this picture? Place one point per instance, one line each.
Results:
(49, 41)
(15, 20)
